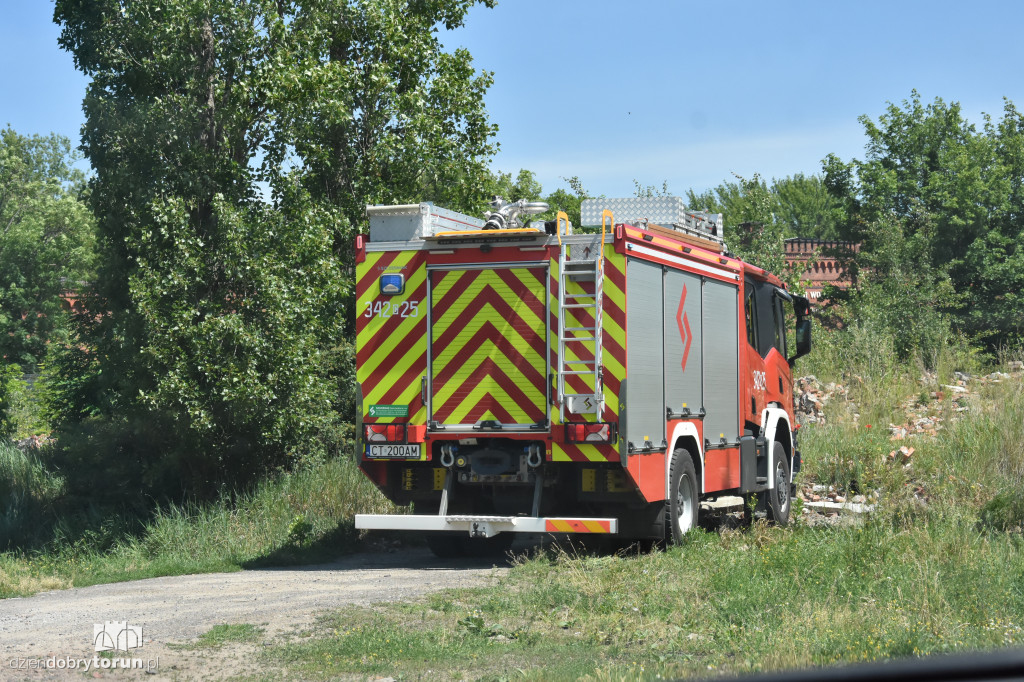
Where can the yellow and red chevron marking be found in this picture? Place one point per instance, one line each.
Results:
(488, 345)
(613, 340)
(391, 339)
(577, 526)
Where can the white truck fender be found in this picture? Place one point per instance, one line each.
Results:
(773, 419)
(685, 429)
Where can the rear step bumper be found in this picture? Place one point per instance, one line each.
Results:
(486, 526)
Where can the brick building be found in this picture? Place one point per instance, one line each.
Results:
(821, 263)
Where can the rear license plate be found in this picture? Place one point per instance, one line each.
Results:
(394, 451)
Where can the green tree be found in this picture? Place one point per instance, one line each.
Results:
(957, 190)
(806, 208)
(650, 191)
(235, 146)
(802, 204)
(46, 242)
(523, 186)
(568, 200)
(377, 112)
(10, 385)
(752, 227)
(899, 293)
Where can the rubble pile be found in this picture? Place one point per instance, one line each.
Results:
(924, 415)
(32, 443)
(945, 403)
(814, 492)
(812, 396)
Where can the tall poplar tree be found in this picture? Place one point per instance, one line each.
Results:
(233, 144)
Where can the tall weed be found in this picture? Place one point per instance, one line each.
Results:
(97, 545)
(980, 459)
(27, 493)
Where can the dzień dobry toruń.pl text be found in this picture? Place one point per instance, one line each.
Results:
(83, 664)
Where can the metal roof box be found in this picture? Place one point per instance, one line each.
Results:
(405, 222)
(668, 212)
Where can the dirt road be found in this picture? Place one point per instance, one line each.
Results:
(55, 627)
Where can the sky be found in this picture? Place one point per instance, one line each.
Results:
(656, 91)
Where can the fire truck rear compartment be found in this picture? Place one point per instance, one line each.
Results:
(508, 477)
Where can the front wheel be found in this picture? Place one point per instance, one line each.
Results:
(779, 499)
(683, 502)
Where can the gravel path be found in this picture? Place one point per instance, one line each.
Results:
(176, 610)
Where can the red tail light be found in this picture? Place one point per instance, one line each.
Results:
(360, 248)
(385, 433)
(590, 433)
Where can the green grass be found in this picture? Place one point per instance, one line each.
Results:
(976, 456)
(259, 528)
(736, 602)
(27, 489)
(219, 635)
(937, 568)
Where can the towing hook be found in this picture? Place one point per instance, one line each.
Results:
(534, 458)
(447, 456)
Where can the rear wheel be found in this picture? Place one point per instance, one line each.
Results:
(779, 499)
(452, 545)
(455, 545)
(446, 545)
(496, 546)
(683, 501)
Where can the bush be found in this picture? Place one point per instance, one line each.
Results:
(27, 494)
(122, 463)
(1004, 512)
(10, 376)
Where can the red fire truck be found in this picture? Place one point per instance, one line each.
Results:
(521, 376)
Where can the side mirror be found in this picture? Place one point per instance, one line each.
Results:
(803, 337)
(803, 328)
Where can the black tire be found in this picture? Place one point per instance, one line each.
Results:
(494, 547)
(455, 545)
(446, 545)
(779, 498)
(684, 500)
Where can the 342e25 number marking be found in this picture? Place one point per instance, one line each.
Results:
(386, 309)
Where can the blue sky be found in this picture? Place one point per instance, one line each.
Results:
(656, 91)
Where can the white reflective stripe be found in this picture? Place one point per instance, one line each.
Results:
(489, 525)
(681, 430)
(696, 265)
(488, 266)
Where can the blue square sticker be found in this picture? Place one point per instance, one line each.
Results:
(391, 285)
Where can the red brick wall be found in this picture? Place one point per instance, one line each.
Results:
(825, 269)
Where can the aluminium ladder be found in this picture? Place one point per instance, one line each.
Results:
(585, 339)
